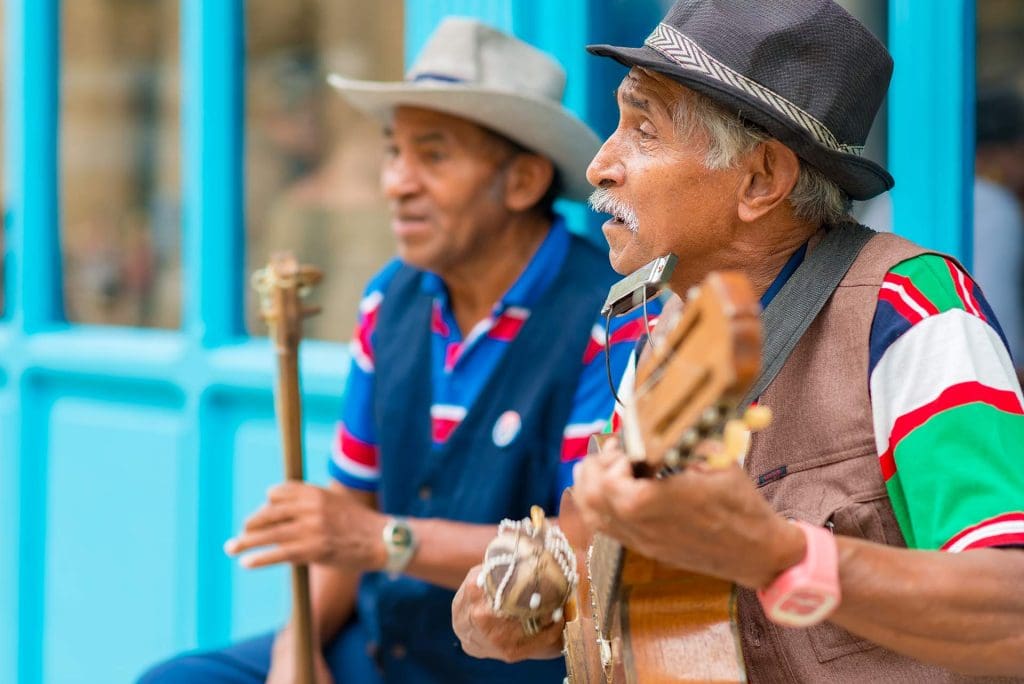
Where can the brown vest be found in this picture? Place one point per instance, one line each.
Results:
(818, 462)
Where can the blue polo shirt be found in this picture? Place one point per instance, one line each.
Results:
(461, 365)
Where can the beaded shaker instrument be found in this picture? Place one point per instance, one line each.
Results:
(529, 571)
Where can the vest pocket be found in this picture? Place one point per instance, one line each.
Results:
(862, 516)
(831, 641)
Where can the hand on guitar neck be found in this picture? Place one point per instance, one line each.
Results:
(708, 519)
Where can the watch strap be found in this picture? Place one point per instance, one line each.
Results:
(808, 592)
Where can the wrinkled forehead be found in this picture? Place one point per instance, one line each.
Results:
(649, 90)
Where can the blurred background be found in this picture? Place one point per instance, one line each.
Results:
(155, 152)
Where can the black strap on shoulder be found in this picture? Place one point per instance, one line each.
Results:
(801, 299)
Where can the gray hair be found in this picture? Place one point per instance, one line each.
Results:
(814, 198)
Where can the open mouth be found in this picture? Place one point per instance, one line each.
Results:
(603, 202)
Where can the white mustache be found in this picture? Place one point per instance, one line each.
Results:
(603, 202)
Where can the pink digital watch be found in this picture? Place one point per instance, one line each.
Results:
(808, 592)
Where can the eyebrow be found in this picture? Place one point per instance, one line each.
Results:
(632, 100)
(432, 136)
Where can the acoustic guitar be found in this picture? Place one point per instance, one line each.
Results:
(632, 618)
(281, 287)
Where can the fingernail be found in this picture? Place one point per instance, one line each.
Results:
(246, 561)
(230, 545)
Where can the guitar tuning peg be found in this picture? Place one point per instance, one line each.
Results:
(757, 418)
(673, 458)
(689, 439)
(735, 440)
(710, 417)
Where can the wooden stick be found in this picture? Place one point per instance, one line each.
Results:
(289, 413)
(281, 287)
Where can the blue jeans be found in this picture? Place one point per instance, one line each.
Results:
(248, 662)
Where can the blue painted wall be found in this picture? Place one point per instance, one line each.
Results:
(127, 457)
(931, 123)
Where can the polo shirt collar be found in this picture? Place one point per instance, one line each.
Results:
(532, 283)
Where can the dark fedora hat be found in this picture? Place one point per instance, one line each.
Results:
(804, 70)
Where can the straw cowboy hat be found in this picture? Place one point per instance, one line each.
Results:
(804, 70)
(473, 71)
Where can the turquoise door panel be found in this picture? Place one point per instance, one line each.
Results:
(931, 123)
(117, 500)
(9, 522)
(260, 599)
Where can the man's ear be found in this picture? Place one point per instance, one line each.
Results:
(772, 170)
(527, 179)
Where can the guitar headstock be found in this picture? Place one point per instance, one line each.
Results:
(281, 286)
(704, 355)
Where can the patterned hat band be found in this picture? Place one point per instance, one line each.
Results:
(685, 53)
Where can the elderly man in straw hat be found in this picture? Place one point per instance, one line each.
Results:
(476, 377)
(887, 498)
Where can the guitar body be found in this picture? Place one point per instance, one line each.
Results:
(665, 624)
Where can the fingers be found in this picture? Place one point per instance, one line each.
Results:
(601, 487)
(262, 537)
(272, 514)
(290, 490)
(484, 634)
(294, 552)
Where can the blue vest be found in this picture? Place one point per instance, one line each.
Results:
(470, 478)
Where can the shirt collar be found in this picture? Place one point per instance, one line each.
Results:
(792, 264)
(535, 279)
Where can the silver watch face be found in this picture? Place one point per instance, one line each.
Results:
(400, 535)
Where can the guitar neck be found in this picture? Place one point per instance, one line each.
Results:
(604, 563)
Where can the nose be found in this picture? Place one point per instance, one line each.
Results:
(398, 178)
(606, 169)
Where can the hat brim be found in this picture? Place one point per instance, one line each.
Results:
(538, 125)
(860, 178)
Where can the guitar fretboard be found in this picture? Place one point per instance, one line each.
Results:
(604, 564)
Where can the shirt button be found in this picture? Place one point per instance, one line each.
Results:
(425, 493)
(756, 634)
(398, 651)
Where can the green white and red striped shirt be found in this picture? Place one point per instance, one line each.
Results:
(948, 412)
(947, 407)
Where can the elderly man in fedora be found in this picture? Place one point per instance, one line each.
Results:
(888, 494)
(477, 372)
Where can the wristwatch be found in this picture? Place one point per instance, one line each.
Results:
(808, 592)
(400, 543)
